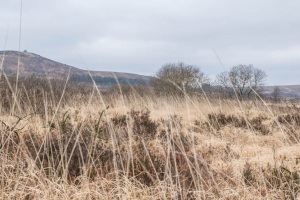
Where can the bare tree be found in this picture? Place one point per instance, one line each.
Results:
(173, 78)
(276, 94)
(244, 80)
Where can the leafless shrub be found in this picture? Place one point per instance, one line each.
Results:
(242, 80)
(174, 78)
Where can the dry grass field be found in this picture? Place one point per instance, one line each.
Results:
(71, 142)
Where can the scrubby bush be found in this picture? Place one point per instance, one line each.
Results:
(177, 78)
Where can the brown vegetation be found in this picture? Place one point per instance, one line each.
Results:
(71, 141)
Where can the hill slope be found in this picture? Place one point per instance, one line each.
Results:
(31, 63)
(292, 91)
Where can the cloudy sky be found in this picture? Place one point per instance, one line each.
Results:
(139, 36)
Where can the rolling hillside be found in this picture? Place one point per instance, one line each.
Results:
(31, 63)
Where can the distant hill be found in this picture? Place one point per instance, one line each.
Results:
(289, 91)
(31, 63)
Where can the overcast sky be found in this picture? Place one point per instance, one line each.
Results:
(139, 36)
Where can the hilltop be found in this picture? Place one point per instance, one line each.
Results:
(31, 63)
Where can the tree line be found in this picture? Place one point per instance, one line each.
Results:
(241, 81)
(104, 80)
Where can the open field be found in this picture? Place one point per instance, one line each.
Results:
(75, 142)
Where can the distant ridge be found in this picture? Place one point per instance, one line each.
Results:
(292, 91)
(31, 63)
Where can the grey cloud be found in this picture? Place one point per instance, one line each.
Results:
(140, 36)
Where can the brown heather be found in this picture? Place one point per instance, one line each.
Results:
(70, 141)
